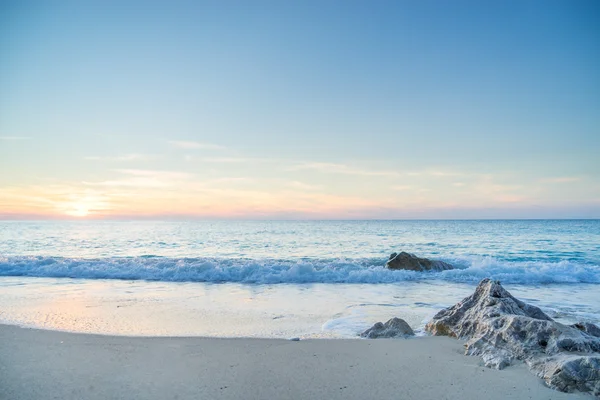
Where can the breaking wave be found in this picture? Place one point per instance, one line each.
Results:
(273, 271)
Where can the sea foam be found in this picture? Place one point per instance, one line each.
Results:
(273, 271)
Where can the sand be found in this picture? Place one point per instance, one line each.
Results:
(38, 364)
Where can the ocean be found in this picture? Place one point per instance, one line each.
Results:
(282, 278)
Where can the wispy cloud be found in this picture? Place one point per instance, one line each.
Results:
(487, 189)
(401, 188)
(14, 138)
(226, 160)
(155, 173)
(438, 173)
(434, 173)
(230, 180)
(124, 157)
(302, 186)
(345, 169)
(237, 160)
(145, 179)
(182, 144)
(341, 169)
(562, 179)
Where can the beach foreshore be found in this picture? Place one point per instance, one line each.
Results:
(40, 364)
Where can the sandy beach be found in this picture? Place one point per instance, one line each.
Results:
(39, 364)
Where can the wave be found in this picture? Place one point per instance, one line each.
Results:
(272, 271)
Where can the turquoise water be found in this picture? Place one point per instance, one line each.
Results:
(295, 252)
(305, 278)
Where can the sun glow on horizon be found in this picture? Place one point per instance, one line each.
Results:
(78, 210)
(85, 206)
(145, 193)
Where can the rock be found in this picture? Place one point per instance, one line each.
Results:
(569, 373)
(395, 327)
(501, 329)
(411, 262)
(588, 328)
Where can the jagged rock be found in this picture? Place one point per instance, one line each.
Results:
(588, 328)
(410, 262)
(569, 373)
(501, 329)
(395, 327)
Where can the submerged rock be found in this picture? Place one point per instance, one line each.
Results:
(410, 262)
(395, 327)
(501, 329)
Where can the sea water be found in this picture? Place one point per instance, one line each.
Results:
(282, 278)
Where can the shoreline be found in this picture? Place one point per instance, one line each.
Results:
(240, 310)
(45, 364)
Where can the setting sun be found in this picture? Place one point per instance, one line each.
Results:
(78, 210)
(82, 205)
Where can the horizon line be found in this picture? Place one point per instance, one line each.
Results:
(75, 219)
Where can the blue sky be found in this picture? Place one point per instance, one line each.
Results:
(329, 109)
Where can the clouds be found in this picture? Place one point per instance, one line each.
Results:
(188, 145)
(136, 178)
(332, 168)
(238, 160)
(401, 188)
(345, 169)
(562, 179)
(124, 157)
(160, 194)
(303, 186)
(232, 184)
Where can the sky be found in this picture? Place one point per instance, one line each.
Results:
(299, 109)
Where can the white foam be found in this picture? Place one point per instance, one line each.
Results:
(268, 271)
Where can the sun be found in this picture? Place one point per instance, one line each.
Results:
(81, 206)
(78, 210)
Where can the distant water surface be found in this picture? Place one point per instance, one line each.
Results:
(302, 262)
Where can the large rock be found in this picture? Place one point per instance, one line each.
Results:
(410, 262)
(501, 329)
(395, 327)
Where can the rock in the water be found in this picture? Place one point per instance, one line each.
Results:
(588, 328)
(410, 262)
(500, 329)
(395, 327)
